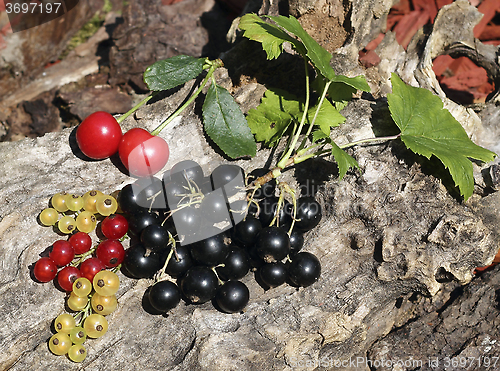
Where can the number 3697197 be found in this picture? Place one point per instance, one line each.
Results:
(33, 8)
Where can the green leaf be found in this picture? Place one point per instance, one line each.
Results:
(169, 73)
(226, 125)
(272, 117)
(358, 82)
(318, 55)
(428, 129)
(270, 36)
(328, 116)
(344, 160)
(318, 135)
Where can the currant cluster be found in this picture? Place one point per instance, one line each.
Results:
(82, 270)
(83, 210)
(91, 301)
(199, 236)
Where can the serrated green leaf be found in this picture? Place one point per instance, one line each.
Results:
(318, 135)
(328, 116)
(171, 72)
(428, 129)
(270, 36)
(226, 125)
(343, 160)
(272, 117)
(318, 55)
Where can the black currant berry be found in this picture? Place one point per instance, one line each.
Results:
(214, 208)
(304, 269)
(154, 236)
(211, 251)
(273, 274)
(186, 170)
(175, 193)
(128, 199)
(232, 296)
(273, 244)
(164, 295)
(268, 209)
(245, 232)
(308, 213)
(236, 265)
(151, 195)
(296, 242)
(187, 220)
(199, 284)
(178, 265)
(140, 220)
(141, 262)
(231, 177)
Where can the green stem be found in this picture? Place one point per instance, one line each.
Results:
(136, 107)
(213, 67)
(281, 164)
(369, 140)
(323, 95)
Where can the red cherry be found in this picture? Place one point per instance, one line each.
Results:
(110, 252)
(45, 270)
(90, 267)
(62, 253)
(114, 226)
(99, 135)
(81, 242)
(141, 153)
(67, 276)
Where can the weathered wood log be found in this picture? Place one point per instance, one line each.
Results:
(391, 232)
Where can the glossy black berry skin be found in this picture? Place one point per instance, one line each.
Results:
(268, 210)
(186, 170)
(273, 274)
(231, 177)
(199, 284)
(296, 242)
(178, 265)
(232, 296)
(236, 265)
(128, 199)
(267, 189)
(140, 220)
(154, 236)
(150, 193)
(164, 296)
(141, 262)
(175, 194)
(304, 269)
(210, 251)
(308, 213)
(273, 244)
(245, 232)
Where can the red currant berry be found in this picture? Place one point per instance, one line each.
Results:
(90, 267)
(45, 270)
(142, 153)
(114, 226)
(99, 135)
(110, 252)
(62, 253)
(81, 242)
(67, 276)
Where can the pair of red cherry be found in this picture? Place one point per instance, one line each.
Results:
(100, 136)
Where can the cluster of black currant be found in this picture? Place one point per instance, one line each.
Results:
(198, 236)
